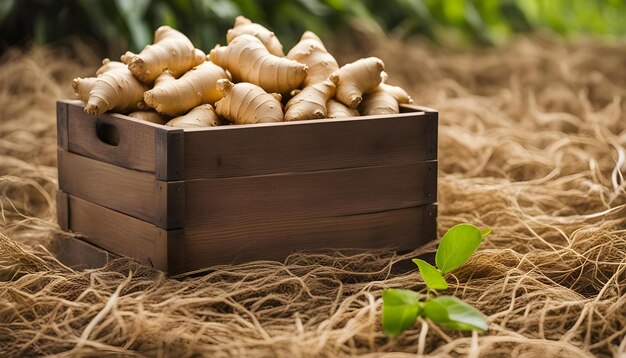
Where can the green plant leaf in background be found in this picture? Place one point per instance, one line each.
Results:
(457, 245)
(133, 12)
(120, 25)
(5, 8)
(432, 277)
(400, 310)
(452, 313)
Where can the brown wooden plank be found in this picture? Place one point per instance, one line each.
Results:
(62, 124)
(135, 148)
(310, 194)
(246, 150)
(119, 233)
(175, 241)
(257, 239)
(170, 201)
(79, 254)
(63, 210)
(170, 154)
(406, 108)
(131, 192)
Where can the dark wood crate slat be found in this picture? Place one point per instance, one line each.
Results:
(79, 254)
(233, 241)
(310, 194)
(176, 259)
(119, 233)
(170, 154)
(62, 116)
(63, 211)
(136, 147)
(233, 151)
(170, 201)
(406, 108)
(131, 192)
(120, 189)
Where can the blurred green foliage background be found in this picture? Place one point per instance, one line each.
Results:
(119, 24)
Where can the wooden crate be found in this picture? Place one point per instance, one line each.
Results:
(185, 199)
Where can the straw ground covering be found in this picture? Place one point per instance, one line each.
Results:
(532, 144)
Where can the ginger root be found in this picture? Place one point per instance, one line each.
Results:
(310, 102)
(116, 89)
(246, 103)
(83, 86)
(243, 25)
(149, 116)
(356, 78)
(177, 96)
(108, 65)
(247, 59)
(336, 109)
(311, 52)
(171, 50)
(384, 99)
(200, 116)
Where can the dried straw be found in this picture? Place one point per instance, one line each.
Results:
(532, 144)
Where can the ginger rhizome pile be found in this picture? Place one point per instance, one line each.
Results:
(243, 25)
(171, 51)
(174, 97)
(246, 103)
(248, 60)
(384, 99)
(249, 80)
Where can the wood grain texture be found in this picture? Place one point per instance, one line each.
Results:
(310, 194)
(406, 108)
(63, 212)
(119, 233)
(233, 151)
(176, 252)
(235, 241)
(170, 153)
(136, 147)
(131, 192)
(170, 204)
(62, 124)
(79, 254)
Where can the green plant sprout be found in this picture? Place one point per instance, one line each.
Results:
(402, 307)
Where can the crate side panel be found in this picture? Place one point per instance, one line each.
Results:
(63, 210)
(118, 233)
(132, 142)
(79, 254)
(310, 146)
(124, 190)
(232, 242)
(62, 124)
(310, 194)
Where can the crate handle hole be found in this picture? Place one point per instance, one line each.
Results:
(107, 133)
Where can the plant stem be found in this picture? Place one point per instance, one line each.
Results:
(421, 342)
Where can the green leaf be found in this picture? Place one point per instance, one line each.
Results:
(452, 313)
(132, 13)
(432, 277)
(486, 232)
(6, 8)
(400, 310)
(456, 246)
